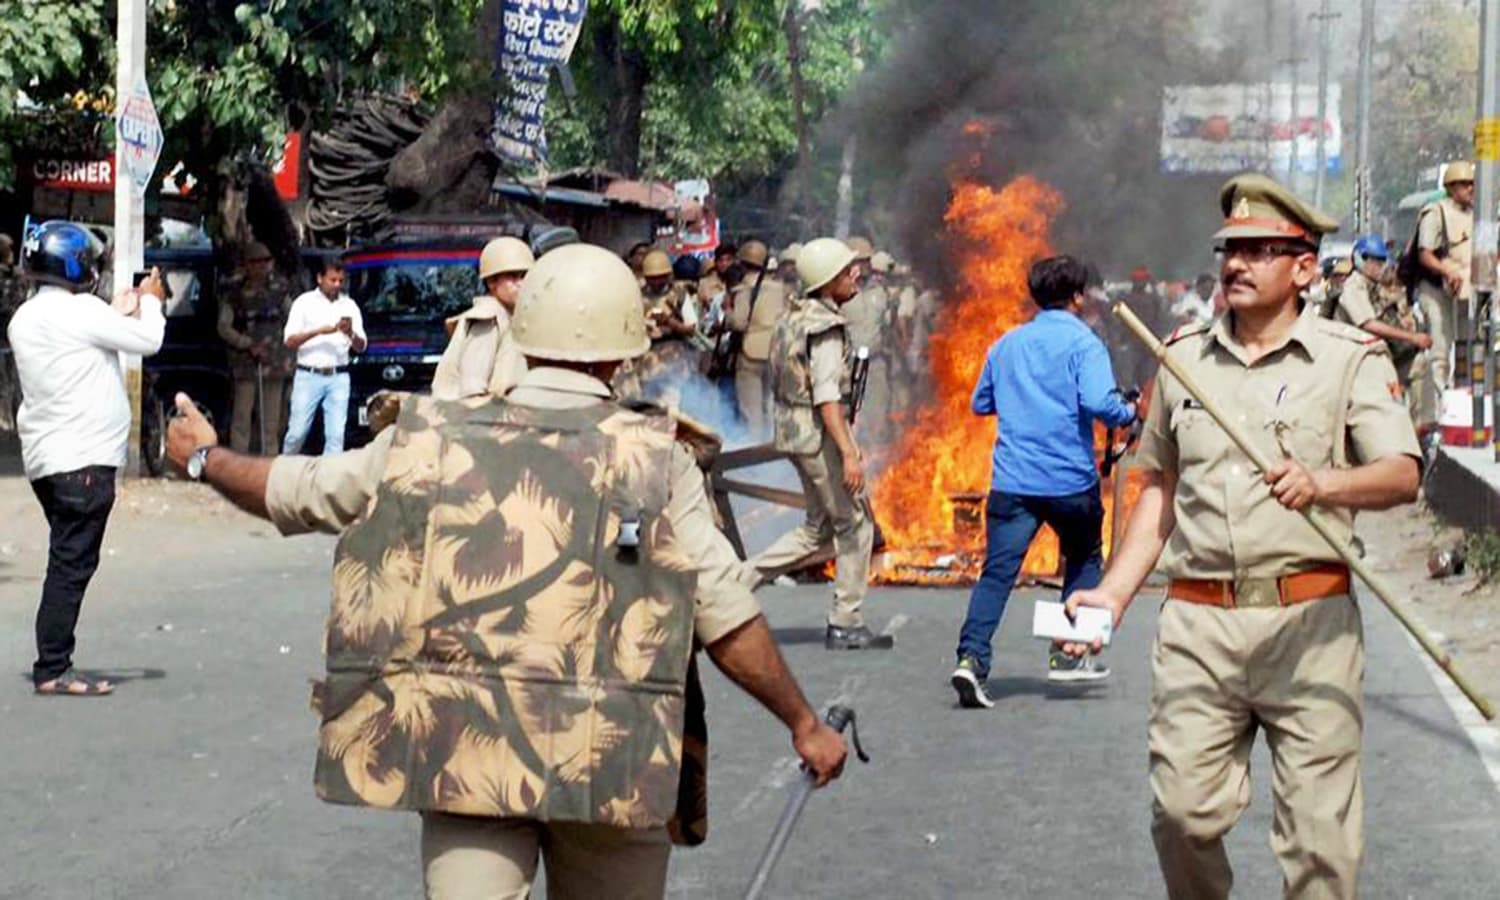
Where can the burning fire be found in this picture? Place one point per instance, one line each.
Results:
(930, 502)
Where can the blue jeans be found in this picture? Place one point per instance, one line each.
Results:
(1011, 521)
(309, 391)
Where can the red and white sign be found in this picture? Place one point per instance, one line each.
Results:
(98, 175)
(74, 174)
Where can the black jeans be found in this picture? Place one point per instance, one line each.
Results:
(77, 506)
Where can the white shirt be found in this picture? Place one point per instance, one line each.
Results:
(74, 411)
(312, 311)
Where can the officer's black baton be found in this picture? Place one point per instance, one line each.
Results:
(839, 718)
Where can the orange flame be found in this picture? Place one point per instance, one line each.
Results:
(945, 449)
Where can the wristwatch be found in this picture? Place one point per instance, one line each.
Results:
(198, 460)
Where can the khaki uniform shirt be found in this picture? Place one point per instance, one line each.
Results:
(827, 358)
(327, 493)
(481, 357)
(1228, 525)
(1356, 302)
(668, 302)
(759, 323)
(868, 313)
(1456, 244)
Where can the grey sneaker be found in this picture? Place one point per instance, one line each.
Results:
(1065, 669)
(969, 682)
(860, 637)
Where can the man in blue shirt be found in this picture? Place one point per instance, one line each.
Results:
(1047, 382)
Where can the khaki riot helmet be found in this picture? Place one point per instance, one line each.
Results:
(656, 264)
(883, 262)
(822, 260)
(580, 303)
(754, 253)
(862, 247)
(1462, 170)
(504, 254)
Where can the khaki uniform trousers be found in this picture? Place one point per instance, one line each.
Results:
(833, 516)
(750, 381)
(467, 858)
(1219, 676)
(244, 406)
(1438, 308)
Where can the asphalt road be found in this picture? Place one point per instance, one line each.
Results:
(194, 781)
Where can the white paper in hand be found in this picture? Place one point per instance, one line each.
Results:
(1050, 620)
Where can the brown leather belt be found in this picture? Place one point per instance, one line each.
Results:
(1299, 587)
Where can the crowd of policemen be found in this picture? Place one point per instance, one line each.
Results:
(528, 559)
(717, 318)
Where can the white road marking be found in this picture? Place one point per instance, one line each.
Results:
(1482, 734)
(896, 622)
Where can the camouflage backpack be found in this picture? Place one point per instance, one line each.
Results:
(797, 426)
(512, 622)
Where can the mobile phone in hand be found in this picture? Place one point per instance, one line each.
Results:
(137, 277)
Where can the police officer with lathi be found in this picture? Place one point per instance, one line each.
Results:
(1260, 630)
(518, 589)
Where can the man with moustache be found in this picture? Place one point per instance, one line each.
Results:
(1259, 629)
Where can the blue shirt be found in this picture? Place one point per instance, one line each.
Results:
(1048, 381)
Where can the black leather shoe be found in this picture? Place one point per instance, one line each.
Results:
(860, 637)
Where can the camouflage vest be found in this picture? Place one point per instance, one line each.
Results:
(512, 625)
(797, 427)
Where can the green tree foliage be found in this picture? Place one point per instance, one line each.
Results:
(229, 78)
(712, 84)
(1426, 84)
(46, 47)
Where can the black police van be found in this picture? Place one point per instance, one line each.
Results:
(406, 291)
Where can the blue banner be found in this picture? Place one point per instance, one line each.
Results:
(536, 36)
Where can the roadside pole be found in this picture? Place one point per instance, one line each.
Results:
(1364, 202)
(1325, 17)
(130, 204)
(1486, 230)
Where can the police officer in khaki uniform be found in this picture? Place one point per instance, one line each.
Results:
(1259, 629)
(787, 269)
(869, 315)
(756, 305)
(810, 385)
(522, 678)
(252, 315)
(481, 356)
(1445, 245)
(1364, 303)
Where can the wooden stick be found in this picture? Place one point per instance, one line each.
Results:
(1313, 516)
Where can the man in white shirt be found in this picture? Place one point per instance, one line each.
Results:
(74, 424)
(323, 327)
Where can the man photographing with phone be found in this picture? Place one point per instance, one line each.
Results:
(323, 327)
(74, 423)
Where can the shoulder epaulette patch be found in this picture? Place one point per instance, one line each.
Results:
(1348, 332)
(1182, 331)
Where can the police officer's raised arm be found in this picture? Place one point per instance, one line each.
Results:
(299, 494)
